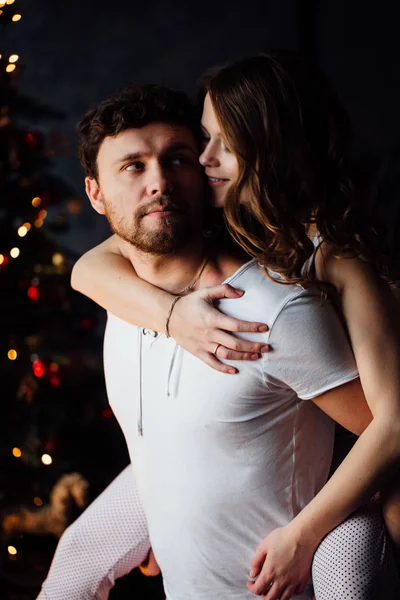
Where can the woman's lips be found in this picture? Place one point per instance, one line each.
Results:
(217, 181)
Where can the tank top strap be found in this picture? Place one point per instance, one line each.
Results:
(309, 265)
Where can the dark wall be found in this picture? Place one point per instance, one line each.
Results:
(77, 53)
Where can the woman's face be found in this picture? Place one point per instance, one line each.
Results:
(220, 164)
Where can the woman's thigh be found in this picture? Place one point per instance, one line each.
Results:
(355, 560)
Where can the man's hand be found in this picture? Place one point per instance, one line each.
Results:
(281, 564)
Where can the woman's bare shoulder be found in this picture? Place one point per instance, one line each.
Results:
(343, 269)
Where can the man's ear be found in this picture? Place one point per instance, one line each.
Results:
(94, 194)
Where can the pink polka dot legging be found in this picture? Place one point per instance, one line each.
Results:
(110, 539)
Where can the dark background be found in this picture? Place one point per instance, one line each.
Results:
(75, 54)
(72, 55)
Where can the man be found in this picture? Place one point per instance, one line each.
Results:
(219, 461)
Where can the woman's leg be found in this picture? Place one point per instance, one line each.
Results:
(355, 560)
(107, 541)
(391, 512)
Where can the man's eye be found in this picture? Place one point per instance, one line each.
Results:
(178, 160)
(136, 166)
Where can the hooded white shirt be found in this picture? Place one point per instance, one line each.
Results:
(222, 460)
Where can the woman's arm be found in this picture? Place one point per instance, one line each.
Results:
(373, 321)
(107, 277)
(371, 314)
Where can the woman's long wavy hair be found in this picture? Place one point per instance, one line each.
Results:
(291, 137)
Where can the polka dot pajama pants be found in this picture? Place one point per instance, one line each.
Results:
(110, 539)
(355, 561)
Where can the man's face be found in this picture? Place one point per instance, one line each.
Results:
(150, 187)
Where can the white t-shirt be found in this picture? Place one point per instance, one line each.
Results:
(224, 459)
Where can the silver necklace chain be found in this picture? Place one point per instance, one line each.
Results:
(189, 287)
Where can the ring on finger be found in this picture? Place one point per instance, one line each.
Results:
(270, 585)
(216, 349)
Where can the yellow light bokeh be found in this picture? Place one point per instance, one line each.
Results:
(1, 259)
(10, 68)
(2, 4)
(22, 231)
(57, 259)
(46, 459)
(12, 550)
(17, 452)
(13, 58)
(38, 223)
(10, 1)
(42, 214)
(12, 354)
(37, 501)
(14, 252)
(27, 225)
(17, 17)
(36, 201)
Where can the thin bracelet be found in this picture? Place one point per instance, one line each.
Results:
(171, 308)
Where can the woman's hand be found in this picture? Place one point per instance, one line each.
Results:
(201, 329)
(282, 564)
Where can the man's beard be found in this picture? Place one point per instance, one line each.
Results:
(172, 234)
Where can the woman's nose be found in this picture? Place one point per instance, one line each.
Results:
(208, 156)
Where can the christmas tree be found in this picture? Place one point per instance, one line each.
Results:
(54, 409)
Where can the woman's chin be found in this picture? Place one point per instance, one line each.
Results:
(217, 200)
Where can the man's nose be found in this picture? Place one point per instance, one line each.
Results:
(208, 157)
(159, 182)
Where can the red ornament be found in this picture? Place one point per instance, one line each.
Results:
(107, 413)
(38, 368)
(38, 372)
(33, 293)
(32, 140)
(55, 381)
(49, 446)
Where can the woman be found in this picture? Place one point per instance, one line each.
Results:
(275, 157)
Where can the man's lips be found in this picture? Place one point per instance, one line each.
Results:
(161, 211)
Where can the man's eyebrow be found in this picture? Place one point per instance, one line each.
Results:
(130, 156)
(176, 146)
